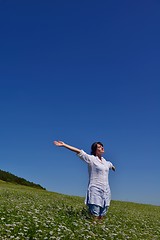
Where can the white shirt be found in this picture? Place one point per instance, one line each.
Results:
(98, 192)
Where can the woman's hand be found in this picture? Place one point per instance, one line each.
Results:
(59, 143)
(113, 168)
(62, 144)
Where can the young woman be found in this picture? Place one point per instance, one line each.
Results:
(98, 195)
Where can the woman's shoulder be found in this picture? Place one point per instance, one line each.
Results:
(85, 156)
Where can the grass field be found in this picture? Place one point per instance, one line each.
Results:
(27, 213)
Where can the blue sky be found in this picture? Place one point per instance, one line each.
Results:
(81, 71)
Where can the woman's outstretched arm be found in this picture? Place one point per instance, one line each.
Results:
(62, 144)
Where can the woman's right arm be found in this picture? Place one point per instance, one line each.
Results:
(62, 144)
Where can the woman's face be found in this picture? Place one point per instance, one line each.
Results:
(99, 150)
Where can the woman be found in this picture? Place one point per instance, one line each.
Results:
(98, 195)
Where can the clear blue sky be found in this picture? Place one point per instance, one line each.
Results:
(81, 71)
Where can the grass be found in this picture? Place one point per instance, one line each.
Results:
(28, 213)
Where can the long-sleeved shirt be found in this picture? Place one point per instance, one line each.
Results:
(98, 191)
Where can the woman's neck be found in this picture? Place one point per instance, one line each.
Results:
(100, 157)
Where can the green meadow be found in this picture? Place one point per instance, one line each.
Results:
(29, 213)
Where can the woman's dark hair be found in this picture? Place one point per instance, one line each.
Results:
(94, 147)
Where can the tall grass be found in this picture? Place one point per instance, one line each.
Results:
(27, 213)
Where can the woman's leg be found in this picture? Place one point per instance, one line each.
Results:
(103, 212)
